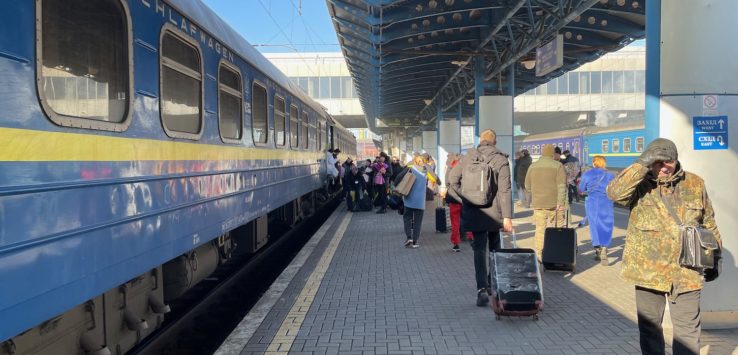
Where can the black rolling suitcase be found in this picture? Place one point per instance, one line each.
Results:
(560, 248)
(365, 203)
(516, 284)
(441, 225)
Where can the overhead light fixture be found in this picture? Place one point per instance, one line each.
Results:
(470, 101)
(460, 63)
(427, 101)
(528, 63)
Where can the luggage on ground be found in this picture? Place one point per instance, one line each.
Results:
(560, 248)
(516, 284)
(441, 225)
(365, 203)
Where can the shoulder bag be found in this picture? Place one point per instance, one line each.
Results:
(700, 249)
(406, 183)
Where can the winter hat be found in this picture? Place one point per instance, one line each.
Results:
(665, 146)
(547, 150)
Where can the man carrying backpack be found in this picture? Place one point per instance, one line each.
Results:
(481, 180)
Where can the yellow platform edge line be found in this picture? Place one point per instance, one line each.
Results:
(285, 337)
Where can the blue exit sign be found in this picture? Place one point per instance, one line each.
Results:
(710, 132)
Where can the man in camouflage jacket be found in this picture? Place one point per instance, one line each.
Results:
(653, 244)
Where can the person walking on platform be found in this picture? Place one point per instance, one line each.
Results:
(546, 182)
(355, 186)
(573, 171)
(454, 205)
(662, 198)
(489, 165)
(521, 170)
(414, 202)
(598, 207)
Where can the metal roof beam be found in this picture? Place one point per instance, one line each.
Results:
(510, 13)
(411, 13)
(606, 23)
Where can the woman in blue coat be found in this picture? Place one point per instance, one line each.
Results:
(414, 202)
(599, 208)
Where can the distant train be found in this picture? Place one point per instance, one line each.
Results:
(142, 144)
(620, 144)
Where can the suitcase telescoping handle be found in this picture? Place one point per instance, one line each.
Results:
(514, 240)
(556, 217)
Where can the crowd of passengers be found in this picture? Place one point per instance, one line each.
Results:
(664, 201)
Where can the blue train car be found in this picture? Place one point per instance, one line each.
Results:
(570, 140)
(137, 138)
(620, 145)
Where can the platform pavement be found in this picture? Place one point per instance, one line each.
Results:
(377, 297)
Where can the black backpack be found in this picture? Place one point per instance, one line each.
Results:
(479, 182)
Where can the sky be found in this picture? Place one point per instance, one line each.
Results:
(280, 25)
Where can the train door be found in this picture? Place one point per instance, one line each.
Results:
(331, 141)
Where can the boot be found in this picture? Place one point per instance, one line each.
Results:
(603, 257)
(598, 253)
(482, 297)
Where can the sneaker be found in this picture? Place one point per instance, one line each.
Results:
(416, 246)
(456, 248)
(408, 243)
(482, 298)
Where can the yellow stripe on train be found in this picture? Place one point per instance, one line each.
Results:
(32, 145)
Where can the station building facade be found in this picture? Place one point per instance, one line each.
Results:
(608, 91)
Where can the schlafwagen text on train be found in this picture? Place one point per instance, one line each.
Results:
(620, 144)
(142, 144)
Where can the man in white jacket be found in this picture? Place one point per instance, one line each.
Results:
(331, 159)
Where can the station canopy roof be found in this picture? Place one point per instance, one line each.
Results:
(407, 57)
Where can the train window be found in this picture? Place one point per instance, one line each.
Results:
(616, 145)
(229, 103)
(567, 146)
(605, 146)
(84, 70)
(639, 144)
(280, 109)
(305, 130)
(626, 145)
(181, 87)
(294, 124)
(259, 125)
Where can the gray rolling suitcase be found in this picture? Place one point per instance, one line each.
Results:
(517, 289)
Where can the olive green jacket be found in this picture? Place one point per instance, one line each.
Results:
(653, 243)
(546, 182)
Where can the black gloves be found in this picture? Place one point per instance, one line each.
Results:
(651, 156)
(660, 149)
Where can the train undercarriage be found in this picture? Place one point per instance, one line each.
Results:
(122, 317)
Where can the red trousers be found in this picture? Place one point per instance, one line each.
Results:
(455, 211)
